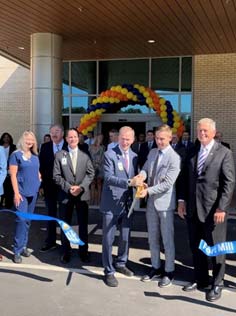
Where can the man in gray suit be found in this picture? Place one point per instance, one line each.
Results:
(206, 186)
(120, 166)
(161, 171)
(73, 172)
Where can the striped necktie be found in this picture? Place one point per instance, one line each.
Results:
(126, 161)
(201, 160)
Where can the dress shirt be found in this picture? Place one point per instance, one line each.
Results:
(58, 147)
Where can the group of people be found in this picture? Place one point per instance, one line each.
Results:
(198, 181)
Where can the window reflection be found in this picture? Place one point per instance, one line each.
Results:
(83, 77)
(122, 71)
(165, 74)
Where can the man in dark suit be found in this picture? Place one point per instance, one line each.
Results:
(206, 186)
(46, 158)
(146, 147)
(219, 139)
(120, 165)
(73, 172)
(185, 141)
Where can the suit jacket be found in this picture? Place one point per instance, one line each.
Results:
(213, 188)
(225, 144)
(3, 168)
(65, 177)
(143, 153)
(162, 193)
(46, 159)
(116, 194)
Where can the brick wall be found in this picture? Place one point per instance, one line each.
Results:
(214, 93)
(14, 98)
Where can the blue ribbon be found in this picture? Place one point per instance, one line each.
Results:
(68, 230)
(222, 248)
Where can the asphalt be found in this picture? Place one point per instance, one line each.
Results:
(41, 285)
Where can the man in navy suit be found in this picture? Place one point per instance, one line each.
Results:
(46, 158)
(120, 166)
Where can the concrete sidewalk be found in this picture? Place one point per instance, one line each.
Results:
(42, 285)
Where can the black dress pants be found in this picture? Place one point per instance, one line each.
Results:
(66, 213)
(212, 233)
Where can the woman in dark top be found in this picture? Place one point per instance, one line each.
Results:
(25, 178)
(6, 141)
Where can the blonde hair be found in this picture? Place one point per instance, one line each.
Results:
(164, 128)
(126, 129)
(21, 142)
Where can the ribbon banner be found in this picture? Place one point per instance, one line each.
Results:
(71, 235)
(222, 248)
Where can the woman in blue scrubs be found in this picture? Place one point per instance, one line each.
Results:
(25, 178)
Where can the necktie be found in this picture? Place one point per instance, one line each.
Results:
(201, 160)
(58, 147)
(74, 159)
(149, 145)
(154, 170)
(126, 161)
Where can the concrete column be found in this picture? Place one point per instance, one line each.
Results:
(46, 82)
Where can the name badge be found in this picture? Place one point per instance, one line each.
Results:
(120, 166)
(64, 161)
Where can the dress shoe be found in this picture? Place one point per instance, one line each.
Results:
(215, 293)
(17, 258)
(84, 257)
(190, 287)
(65, 258)
(26, 252)
(48, 247)
(153, 274)
(166, 280)
(110, 280)
(124, 270)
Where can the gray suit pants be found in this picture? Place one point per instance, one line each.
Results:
(110, 223)
(161, 224)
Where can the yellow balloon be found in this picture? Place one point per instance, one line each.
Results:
(164, 119)
(163, 114)
(113, 88)
(112, 100)
(142, 89)
(149, 100)
(162, 101)
(94, 101)
(135, 98)
(124, 91)
(146, 94)
(105, 99)
(174, 130)
(163, 107)
(129, 95)
(99, 99)
(137, 86)
(117, 100)
(176, 124)
(118, 88)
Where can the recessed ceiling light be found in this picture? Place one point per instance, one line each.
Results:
(21, 47)
(151, 41)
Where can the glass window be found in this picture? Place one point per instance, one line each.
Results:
(186, 79)
(165, 74)
(83, 77)
(135, 109)
(186, 103)
(66, 105)
(80, 104)
(65, 79)
(118, 72)
(173, 98)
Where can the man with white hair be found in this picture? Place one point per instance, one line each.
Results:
(206, 187)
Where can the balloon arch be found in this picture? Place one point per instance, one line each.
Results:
(120, 96)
